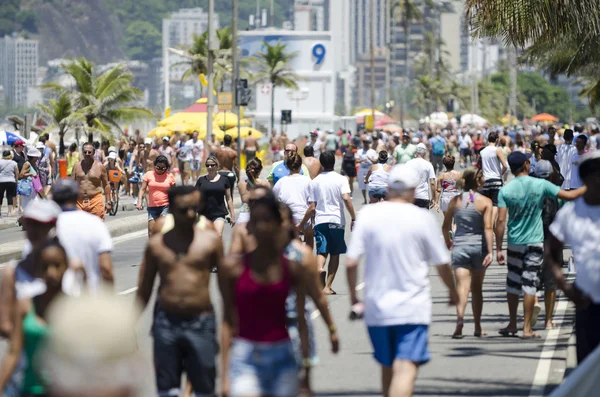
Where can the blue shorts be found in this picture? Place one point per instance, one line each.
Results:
(263, 369)
(330, 239)
(157, 212)
(195, 165)
(407, 342)
(377, 192)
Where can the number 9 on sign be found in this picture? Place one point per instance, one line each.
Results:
(318, 52)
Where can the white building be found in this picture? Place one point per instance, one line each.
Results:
(19, 63)
(311, 15)
(179, 30)
(313, 104)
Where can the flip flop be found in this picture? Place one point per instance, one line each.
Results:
(535, 335)
(457, 336)
(480, 334)
(508, 334)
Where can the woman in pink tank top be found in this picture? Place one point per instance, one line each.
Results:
(257, 357)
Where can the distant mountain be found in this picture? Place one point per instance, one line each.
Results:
(109, 30)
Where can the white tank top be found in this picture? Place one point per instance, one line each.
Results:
(490, 163)
(379, 177)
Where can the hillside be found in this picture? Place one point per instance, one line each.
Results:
(108, 30)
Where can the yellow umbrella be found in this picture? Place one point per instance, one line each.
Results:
(244, 131)
(159, 132)
(184, 117)
(368, 112)
(226, 119)
(245, 123)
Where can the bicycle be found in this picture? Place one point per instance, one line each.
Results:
(136, 179)
(114, 177)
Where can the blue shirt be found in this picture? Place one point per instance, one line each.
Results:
(524, 198)
(279, 170)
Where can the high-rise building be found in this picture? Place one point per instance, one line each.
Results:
(311, 15)
(179, 30)
(19, 63)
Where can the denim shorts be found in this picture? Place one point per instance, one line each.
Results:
(377, 192)
(330, 239)
(157, 212)
(263, 369)
(407, 342)
(184, 344)
(468, 256)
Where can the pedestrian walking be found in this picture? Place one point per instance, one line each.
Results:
(157, 183)
(294, 191)
(184, 325)
(426, 193)
(92, 179)
(349, 166)
(329, 193)
(45, 168)
(377, 178)
(494, 166)
(311, 163)
(397, 301)
(72, 158)
(29, 184)
(260, 360)
(522, 199)
(253, 169)
(9, 176)
(365, 158)
(578, 225)
(446, 183)
(228, 162)
(216, 194)
(565, 154)
(471, 246)
(279, 169)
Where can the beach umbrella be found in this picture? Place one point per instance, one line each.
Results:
(245, 131)
(159, 132)
(544, 118)
(226, 119)
(8, 138)
(368, 112)
(473, 120)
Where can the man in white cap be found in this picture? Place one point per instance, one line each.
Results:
(426, 192)
(196, 155)
(166, 150)
(92, 350)
(400, 243)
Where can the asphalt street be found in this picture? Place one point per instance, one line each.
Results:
(489, 366)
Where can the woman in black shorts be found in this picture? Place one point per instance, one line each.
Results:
(349, 166)
(215, 190)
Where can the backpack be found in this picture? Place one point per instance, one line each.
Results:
(439, 147)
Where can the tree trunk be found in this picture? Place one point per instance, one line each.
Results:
(273, 107)
(406, 23)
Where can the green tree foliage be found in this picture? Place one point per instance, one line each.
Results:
(142, 41)
(14, 19)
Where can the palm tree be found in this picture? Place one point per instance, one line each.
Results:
(58, 114)
(196, 56)
(429, 93)
(101, 100)
(272, 66)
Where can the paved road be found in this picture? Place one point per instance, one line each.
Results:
(491, 366)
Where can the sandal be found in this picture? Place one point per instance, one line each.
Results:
(535, 335)
(505, 332)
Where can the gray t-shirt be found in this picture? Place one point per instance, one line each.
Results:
(7, 170)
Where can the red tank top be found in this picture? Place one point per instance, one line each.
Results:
(261, 307)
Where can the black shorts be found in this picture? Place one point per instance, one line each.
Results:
(587, 322)
(250, 154)
(465, 152)
(491, 188)
(230, 175)
(349, 171)
(422, 203)
(184, 344)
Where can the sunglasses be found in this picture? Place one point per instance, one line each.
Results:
(87, 152)
(210, 165)
(161, 168)
(287, 150)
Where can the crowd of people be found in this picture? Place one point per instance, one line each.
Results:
(286, 244)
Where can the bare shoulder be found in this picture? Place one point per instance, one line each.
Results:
(263, 182)
(305, 263)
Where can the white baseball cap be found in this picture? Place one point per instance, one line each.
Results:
(112, 149)
(40, 145)
(403, 177)
(34, 153)
(42, 211)
(148, 141)
(112, 155)
(421, 147)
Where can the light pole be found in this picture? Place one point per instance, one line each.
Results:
(372, 51)
(235, 75)
(212, 46)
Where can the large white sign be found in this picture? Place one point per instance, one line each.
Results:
(313, 103)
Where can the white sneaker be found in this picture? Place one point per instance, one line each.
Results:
(135, 201)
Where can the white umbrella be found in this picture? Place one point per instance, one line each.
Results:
(439, 116)
(472, 119)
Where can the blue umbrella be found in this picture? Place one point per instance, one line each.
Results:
(8, 138)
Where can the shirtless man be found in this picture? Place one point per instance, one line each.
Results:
(91, 177)
(313, 164)
(184, 330)
(275, 144)
(250, 147)
(147, 156)
(167, 150)
(228, 160)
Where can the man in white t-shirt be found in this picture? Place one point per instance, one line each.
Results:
(580, 144)
(423, 197)
(329, 193)
(316, 143)
(578, 224)
(84, 236)
(195, 155)
(400, 243)
(564, 157)
(465, 143)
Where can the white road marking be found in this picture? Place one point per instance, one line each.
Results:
(128, 291)
(316, 313)
(116, 240)
(542, 373)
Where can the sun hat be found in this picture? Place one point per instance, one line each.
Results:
(42, 211)
(112, 155)
(34, 153)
